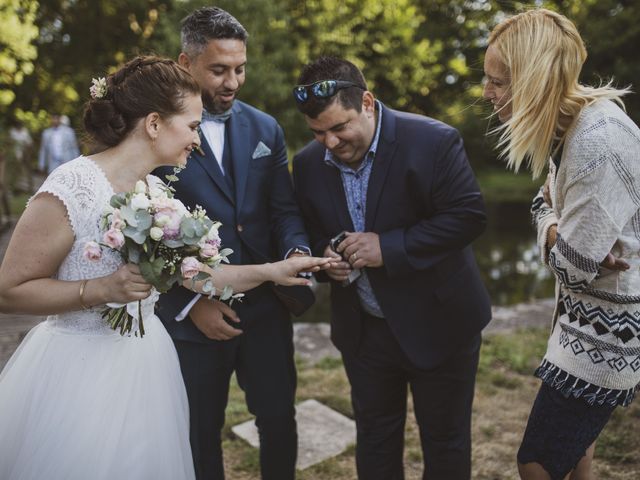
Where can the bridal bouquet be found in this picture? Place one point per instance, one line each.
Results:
(151, 228)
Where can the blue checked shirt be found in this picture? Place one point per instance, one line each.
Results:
(355, 183)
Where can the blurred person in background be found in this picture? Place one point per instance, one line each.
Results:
(59, 145)
(22, 149)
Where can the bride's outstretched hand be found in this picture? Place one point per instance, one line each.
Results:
(286, 271)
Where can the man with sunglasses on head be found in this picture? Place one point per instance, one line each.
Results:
(401, 186)
(241, 177)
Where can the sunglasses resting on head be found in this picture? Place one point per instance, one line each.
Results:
(321, 89)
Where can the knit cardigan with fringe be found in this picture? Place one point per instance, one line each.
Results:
(594, 349)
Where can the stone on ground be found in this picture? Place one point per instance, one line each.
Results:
(322, 433)
(313, 343)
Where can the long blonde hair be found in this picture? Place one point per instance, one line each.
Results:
(544, 54)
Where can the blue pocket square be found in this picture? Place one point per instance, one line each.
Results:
(261, 151)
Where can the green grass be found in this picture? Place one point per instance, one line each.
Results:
(519, 352)
(619, 442)
(504, 385)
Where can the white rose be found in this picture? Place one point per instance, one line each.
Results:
(156, 233)
(141, 187)
(162, 220)
(213, 234)
(140, 202)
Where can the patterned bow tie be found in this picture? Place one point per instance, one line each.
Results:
(215, 117)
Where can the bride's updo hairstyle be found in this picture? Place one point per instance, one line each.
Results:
(143, 85)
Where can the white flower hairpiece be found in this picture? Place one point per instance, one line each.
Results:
(98, 88)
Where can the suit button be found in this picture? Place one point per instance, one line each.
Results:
(239, 228)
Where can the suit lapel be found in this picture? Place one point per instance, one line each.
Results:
(210, 164)
(384, 155)
(336, 193)
(239, 139)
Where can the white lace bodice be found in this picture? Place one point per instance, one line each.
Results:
(85, 191)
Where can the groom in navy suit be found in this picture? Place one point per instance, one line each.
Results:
(407, 301)
(241, 177)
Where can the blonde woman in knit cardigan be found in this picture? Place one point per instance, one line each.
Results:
(588, 232)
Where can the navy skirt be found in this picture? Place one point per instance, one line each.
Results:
(560, 430)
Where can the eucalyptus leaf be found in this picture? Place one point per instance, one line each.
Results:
(133, 255)
(148, 272)
(118, 200)
(136, 235)
(191, 240)
(188, 227)
(143, 219)
(208, 287)
(173, 243)
(202, 276)
(129, 216)
(227, 292)
(158, 265)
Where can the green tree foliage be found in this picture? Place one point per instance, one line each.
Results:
(611, 29)
(17, 31)
(423, 56)
(79, 40)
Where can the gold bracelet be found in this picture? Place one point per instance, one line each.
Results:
(82, 286)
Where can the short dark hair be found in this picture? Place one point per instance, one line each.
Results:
(143, 85)
(332, 68)
(209, 23)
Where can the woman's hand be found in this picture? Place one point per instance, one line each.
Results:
(285, 272)
(614, 263)
(123, 286)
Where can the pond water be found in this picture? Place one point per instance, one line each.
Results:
(508, 256)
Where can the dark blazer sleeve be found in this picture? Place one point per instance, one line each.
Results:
(318, 240)
(286, 222)
(457, 214)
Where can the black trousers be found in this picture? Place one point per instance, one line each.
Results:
(262, 358)
(380, 374)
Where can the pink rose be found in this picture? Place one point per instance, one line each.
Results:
(208, 249)
(169, 221)
(113, 238)
(117, 223)
(189, 267)
(92, 251)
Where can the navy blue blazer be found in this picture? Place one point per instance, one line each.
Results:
(425, 204)
(260, 219)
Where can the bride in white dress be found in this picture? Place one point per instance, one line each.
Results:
(78, 401)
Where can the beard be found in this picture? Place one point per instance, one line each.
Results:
(211, 105)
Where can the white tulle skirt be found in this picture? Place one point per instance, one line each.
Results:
(92, 407)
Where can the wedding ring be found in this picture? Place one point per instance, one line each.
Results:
(355, 256)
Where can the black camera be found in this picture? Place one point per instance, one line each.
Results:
(333, 244)
(337, 240)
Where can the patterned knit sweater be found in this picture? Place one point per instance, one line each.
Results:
(594, 349)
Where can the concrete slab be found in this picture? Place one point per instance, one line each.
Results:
(322, 433)
(312, 342)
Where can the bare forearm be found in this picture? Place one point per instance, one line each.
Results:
(47, 296)
(239, 277)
